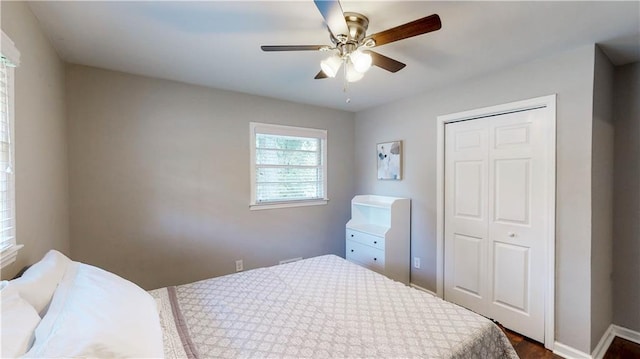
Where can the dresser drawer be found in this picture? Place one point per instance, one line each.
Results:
(366, 256)
(364, 238)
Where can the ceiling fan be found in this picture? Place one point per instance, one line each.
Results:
(348, 33)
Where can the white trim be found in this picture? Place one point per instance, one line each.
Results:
(550, 303)
(260, 206)
(604, 343)
(548, 102)
(422, 289)
(11, 59)
(282, 130)
(625, 333)
(440, 207)
(609, 335)
(9, 50)
(566, 351)
(9, 255)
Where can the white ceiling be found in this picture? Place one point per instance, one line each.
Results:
(217, 44)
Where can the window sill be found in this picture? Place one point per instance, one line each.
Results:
(261, 206)
(9, 255)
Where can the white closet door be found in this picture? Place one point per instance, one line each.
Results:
(466, 210)
(496, 220)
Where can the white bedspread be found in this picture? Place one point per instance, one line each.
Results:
(321, 307)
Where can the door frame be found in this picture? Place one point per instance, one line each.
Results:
(548, 102)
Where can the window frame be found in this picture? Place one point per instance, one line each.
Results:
(282, 130)
(10, 54)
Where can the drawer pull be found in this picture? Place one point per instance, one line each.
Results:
(375, 259)
(352, 250)
(352, 235)
(375, 242)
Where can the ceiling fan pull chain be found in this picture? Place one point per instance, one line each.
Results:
(345, 83)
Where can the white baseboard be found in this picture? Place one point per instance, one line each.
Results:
(423, 289)
(612, 332)
(627, 334)
(600, 350)
(568, 352)
(604, 343)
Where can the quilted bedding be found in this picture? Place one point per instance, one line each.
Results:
(320, 307)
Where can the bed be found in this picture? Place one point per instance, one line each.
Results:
(318, 307)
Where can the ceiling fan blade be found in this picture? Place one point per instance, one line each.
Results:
(331, 11)
(321, 75)
(410, 29)
(386, 63)
(291, 47)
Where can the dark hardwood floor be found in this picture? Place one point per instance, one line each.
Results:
(527, 348)
(530, 349)
(622, 349)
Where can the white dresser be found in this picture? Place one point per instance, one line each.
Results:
(378, 235)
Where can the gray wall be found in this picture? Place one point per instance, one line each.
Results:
(413, 120)
(159, 178)
(160, 189)
(602, 198)
(42, 204)
(626, 243)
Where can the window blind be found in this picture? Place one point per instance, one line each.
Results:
(290, 164)
(7, 181)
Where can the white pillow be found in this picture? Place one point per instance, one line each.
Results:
(37, 284)
(95, 313)
(19, 320)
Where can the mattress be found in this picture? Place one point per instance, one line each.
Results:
(320, 307)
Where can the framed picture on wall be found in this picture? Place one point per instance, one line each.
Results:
(389, 156)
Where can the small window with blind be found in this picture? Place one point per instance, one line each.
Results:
(8, 62)
(288, 166)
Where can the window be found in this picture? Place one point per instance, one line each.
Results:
(288, 166)
(8, 62)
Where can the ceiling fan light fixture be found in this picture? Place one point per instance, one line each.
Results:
(351, 74)
(331, 65)
(361, 60)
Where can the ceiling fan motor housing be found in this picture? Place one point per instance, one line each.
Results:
(357, 24)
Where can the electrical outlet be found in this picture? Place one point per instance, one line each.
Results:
(416, 262)
(239, 265)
